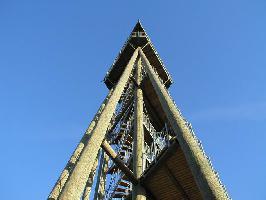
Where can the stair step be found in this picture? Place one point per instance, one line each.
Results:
(119, 195)
(122, 153)
(129, 138)
(128, 142)
(124, 183)
(119, 189)
(118, 137)
(127, 148)
(125, 178)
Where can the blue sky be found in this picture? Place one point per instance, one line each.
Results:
(54, 56)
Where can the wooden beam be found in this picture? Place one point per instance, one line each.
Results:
(76, 181)
(178, 186)
(160, 160)
(198, 163)
(150, 195)
(87, 190)
(112, 154)
(138, 192)
(60, 183)
(115, 157)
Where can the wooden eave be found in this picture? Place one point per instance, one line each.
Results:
(169, 176)
(137, 38)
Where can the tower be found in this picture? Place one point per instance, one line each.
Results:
(138, 145)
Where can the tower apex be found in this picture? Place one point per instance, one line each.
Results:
(137, 38)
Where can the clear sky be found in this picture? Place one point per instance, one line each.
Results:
(54, 56)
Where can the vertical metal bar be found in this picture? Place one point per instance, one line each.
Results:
(138, 191)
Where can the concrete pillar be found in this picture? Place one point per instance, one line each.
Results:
(87, 190)
(205, 178)
(138, 147)
(76, 182)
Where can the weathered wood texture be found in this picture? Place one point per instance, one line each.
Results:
(182, 171)
(115, 157)
(76, 182)
(138, 145)
(59, 185)
(170, 177)
(198, 163)
(88, 186)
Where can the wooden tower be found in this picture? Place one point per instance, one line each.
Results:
(138, 146)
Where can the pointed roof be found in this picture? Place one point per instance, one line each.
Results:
(137, 38)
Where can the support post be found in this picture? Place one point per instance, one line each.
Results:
(138, 148)
(57, 189)
(87, 190)
(75, 184)
(115, 157)
(205, 178)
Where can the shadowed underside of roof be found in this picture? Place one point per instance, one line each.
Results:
(137, 38)
(170, 176)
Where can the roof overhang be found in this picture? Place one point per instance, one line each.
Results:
(137, 38)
